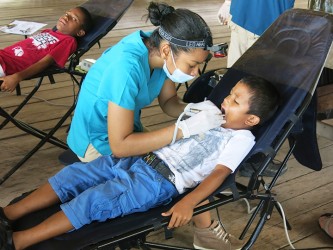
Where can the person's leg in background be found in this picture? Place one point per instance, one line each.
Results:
(240, 41)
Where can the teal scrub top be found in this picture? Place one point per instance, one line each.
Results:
(122, 76)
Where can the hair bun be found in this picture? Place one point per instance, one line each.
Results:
(157, 12)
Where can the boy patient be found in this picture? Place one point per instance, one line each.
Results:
(31, 56)
(109, 187)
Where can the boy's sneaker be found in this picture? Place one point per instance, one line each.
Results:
(215, 238)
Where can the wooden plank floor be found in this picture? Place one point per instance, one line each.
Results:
(304, 194)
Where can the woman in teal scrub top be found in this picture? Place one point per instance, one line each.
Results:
(129, 76)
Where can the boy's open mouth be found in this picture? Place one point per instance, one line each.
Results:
(223, 113)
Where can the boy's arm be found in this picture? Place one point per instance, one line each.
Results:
(182, 212)
(10, 82)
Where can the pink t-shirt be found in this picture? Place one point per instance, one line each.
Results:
(25, 53)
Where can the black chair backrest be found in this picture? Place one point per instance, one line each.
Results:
(290, 54)
(105, 14)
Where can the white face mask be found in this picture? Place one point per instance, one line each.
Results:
(177, 76)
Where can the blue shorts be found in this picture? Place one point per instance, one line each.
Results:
(109, 187)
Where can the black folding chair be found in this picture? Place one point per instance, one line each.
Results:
(290, 54)
(106, 14)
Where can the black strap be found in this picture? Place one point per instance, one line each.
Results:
(156, 163)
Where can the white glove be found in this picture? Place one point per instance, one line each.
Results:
(201, 122)
(223, 14)
(194, 108)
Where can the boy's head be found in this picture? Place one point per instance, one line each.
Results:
(75, 22)
(251, 101)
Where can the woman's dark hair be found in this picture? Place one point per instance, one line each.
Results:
(179, 23)
(88, 22)
(265, 97)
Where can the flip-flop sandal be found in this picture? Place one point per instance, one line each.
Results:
(4, 220)
(327, 223)
(6, 238)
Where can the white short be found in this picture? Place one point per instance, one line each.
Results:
(240, 41)
(91, 154)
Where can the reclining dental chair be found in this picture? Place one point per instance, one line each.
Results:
(106, 14)
(290, 54)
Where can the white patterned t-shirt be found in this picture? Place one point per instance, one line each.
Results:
(194, 158)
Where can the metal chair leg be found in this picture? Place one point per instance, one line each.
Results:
(47, 138)
(25, 101)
